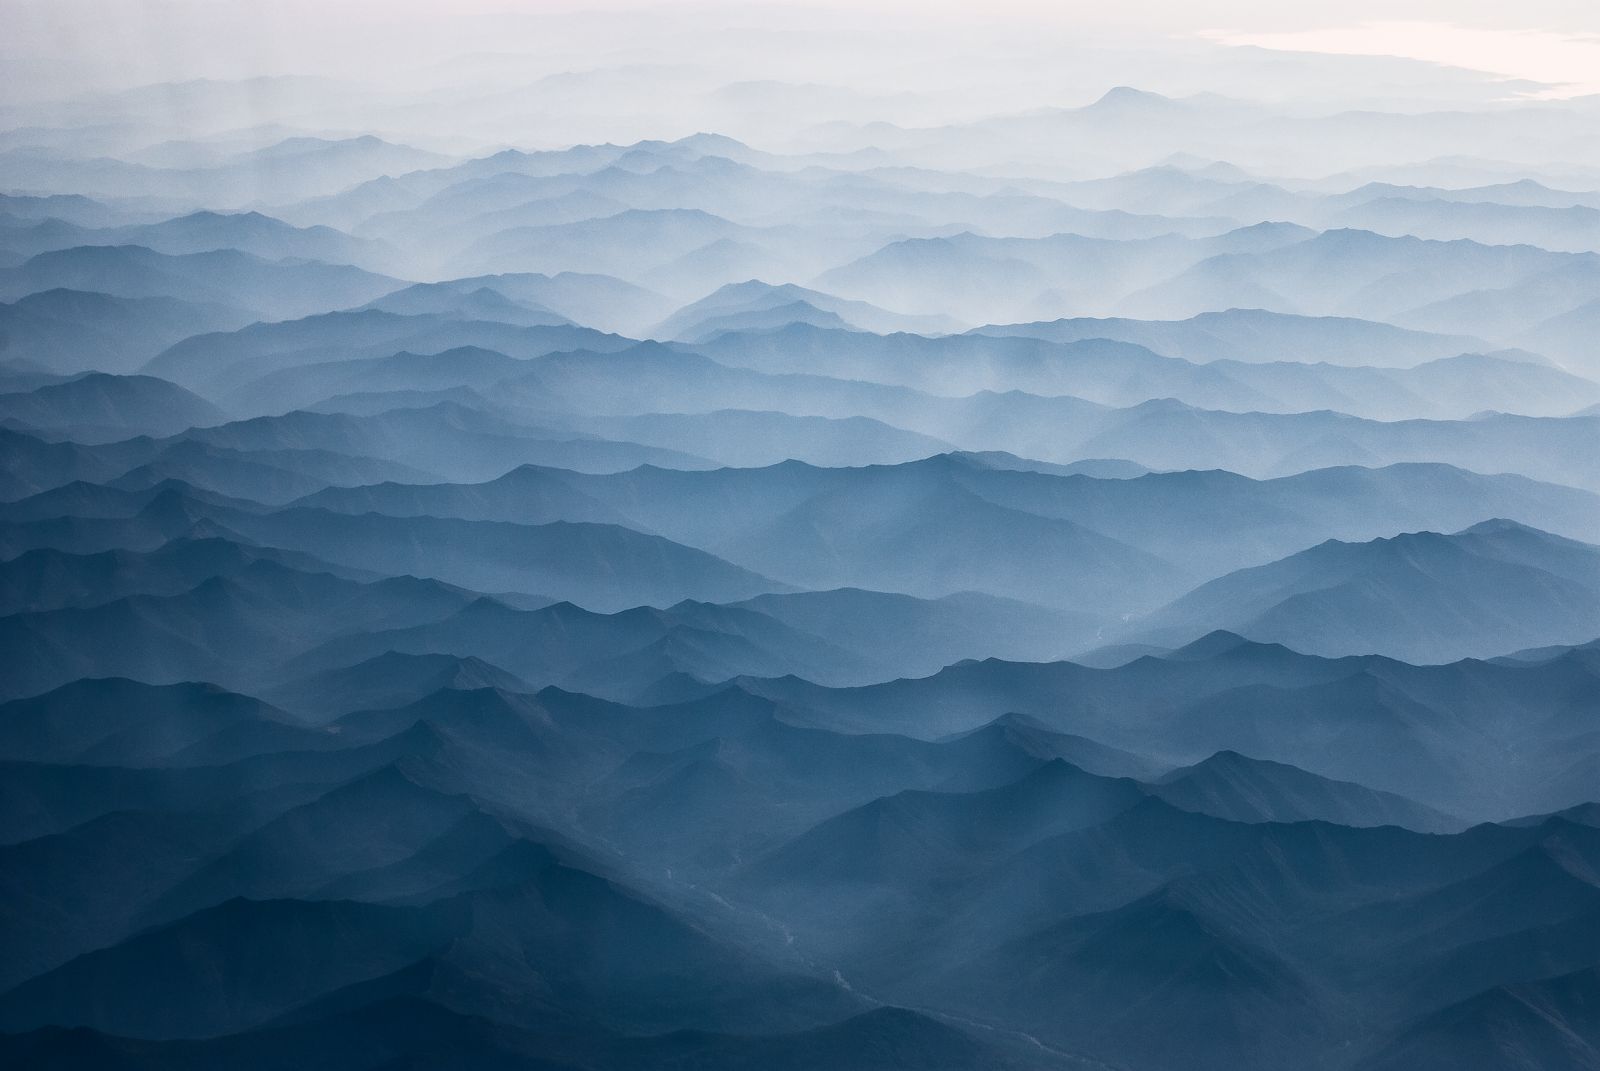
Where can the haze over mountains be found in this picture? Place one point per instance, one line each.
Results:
(776, 549)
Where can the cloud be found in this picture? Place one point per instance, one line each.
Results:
(1567, 63)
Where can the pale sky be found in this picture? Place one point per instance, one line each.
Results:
(1568, 62)
(56, 48)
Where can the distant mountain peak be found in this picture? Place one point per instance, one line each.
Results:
(1129, 99)
(1212, 645)
(1501, 524)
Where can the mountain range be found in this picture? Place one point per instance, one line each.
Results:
(728, 540)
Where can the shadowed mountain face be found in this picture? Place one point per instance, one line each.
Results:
(756, 540)
(1494, 587)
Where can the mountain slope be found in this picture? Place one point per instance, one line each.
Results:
(1490, 589)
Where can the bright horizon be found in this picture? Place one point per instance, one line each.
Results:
(62, 49)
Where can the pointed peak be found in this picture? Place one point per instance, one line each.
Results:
(1211, 645)
(1123, 98)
